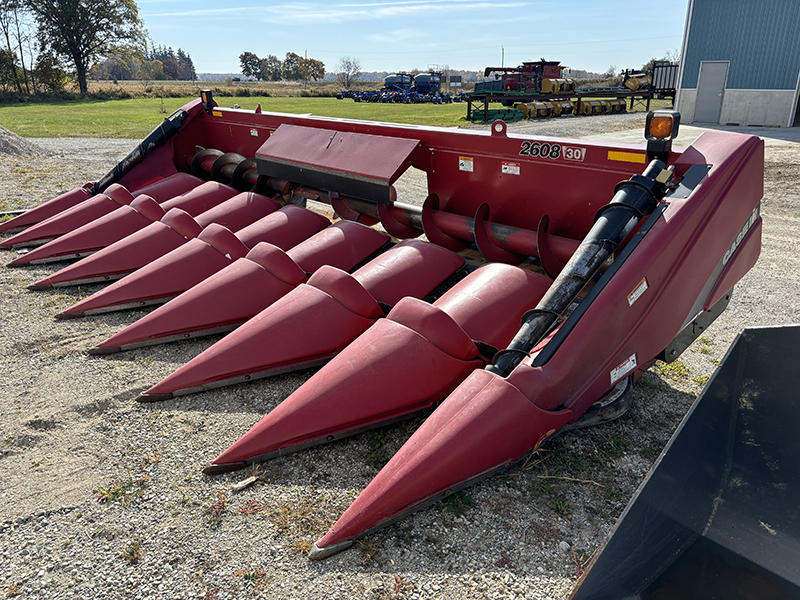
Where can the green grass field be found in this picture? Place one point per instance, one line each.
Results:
(135, 118)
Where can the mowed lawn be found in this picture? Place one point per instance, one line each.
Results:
(135, 118)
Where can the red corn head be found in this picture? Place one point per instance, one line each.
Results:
(247, 286)
(400, 366)
(124, 221)
(214, 249)
(157, 239)
(91, 207)
(314, 321)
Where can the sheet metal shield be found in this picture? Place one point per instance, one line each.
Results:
(353, 164)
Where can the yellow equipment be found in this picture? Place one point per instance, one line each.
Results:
(638, 81)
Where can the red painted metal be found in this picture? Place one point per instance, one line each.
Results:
(519, 199)
(376, 158)
(403, 364)
(158, 238)
(315, 321)
(48, 209)
(514, 195)
(614, 338)
(188, 265)
(495, 425)
(124, 221)
(94, 207)
(245, 287)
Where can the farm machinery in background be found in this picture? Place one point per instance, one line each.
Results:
(539, 89)
(525, 291)
(406, 88)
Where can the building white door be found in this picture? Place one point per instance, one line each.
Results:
(710, 88)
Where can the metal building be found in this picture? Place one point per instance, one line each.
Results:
(741, 63)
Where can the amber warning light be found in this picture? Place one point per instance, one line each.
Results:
(662, 125)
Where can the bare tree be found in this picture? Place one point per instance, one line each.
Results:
(348, 71)
(673, 56)
(10, 26)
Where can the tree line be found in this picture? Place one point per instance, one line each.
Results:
(292, 68)
(44, 42)
(154, 63)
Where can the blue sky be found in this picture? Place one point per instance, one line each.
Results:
(389, 35)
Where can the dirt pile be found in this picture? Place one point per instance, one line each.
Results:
(14, 145)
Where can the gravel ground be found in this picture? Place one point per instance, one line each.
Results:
(103, 498)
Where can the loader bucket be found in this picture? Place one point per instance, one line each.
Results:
(718, 516)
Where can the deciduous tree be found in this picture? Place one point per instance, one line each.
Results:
(251, 65)
(292, 67)
(82, 30)
(48, 72)
(271, 68)
(312, 69)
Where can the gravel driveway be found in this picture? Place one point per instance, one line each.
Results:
(102, 497)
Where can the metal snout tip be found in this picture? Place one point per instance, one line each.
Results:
(318, 553)
(214, 469)
(63, 316)
(153, 397)
(101, 350)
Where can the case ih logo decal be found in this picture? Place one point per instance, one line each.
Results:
(748, 225)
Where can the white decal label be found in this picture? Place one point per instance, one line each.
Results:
(466, 163)
(573, 153)
(510, 168)
(254, 132)
(622, 370)
(637, 293)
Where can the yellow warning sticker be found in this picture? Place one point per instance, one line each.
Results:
(633, 157)
(216, 113)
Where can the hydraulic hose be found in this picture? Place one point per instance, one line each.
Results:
(633, 199)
